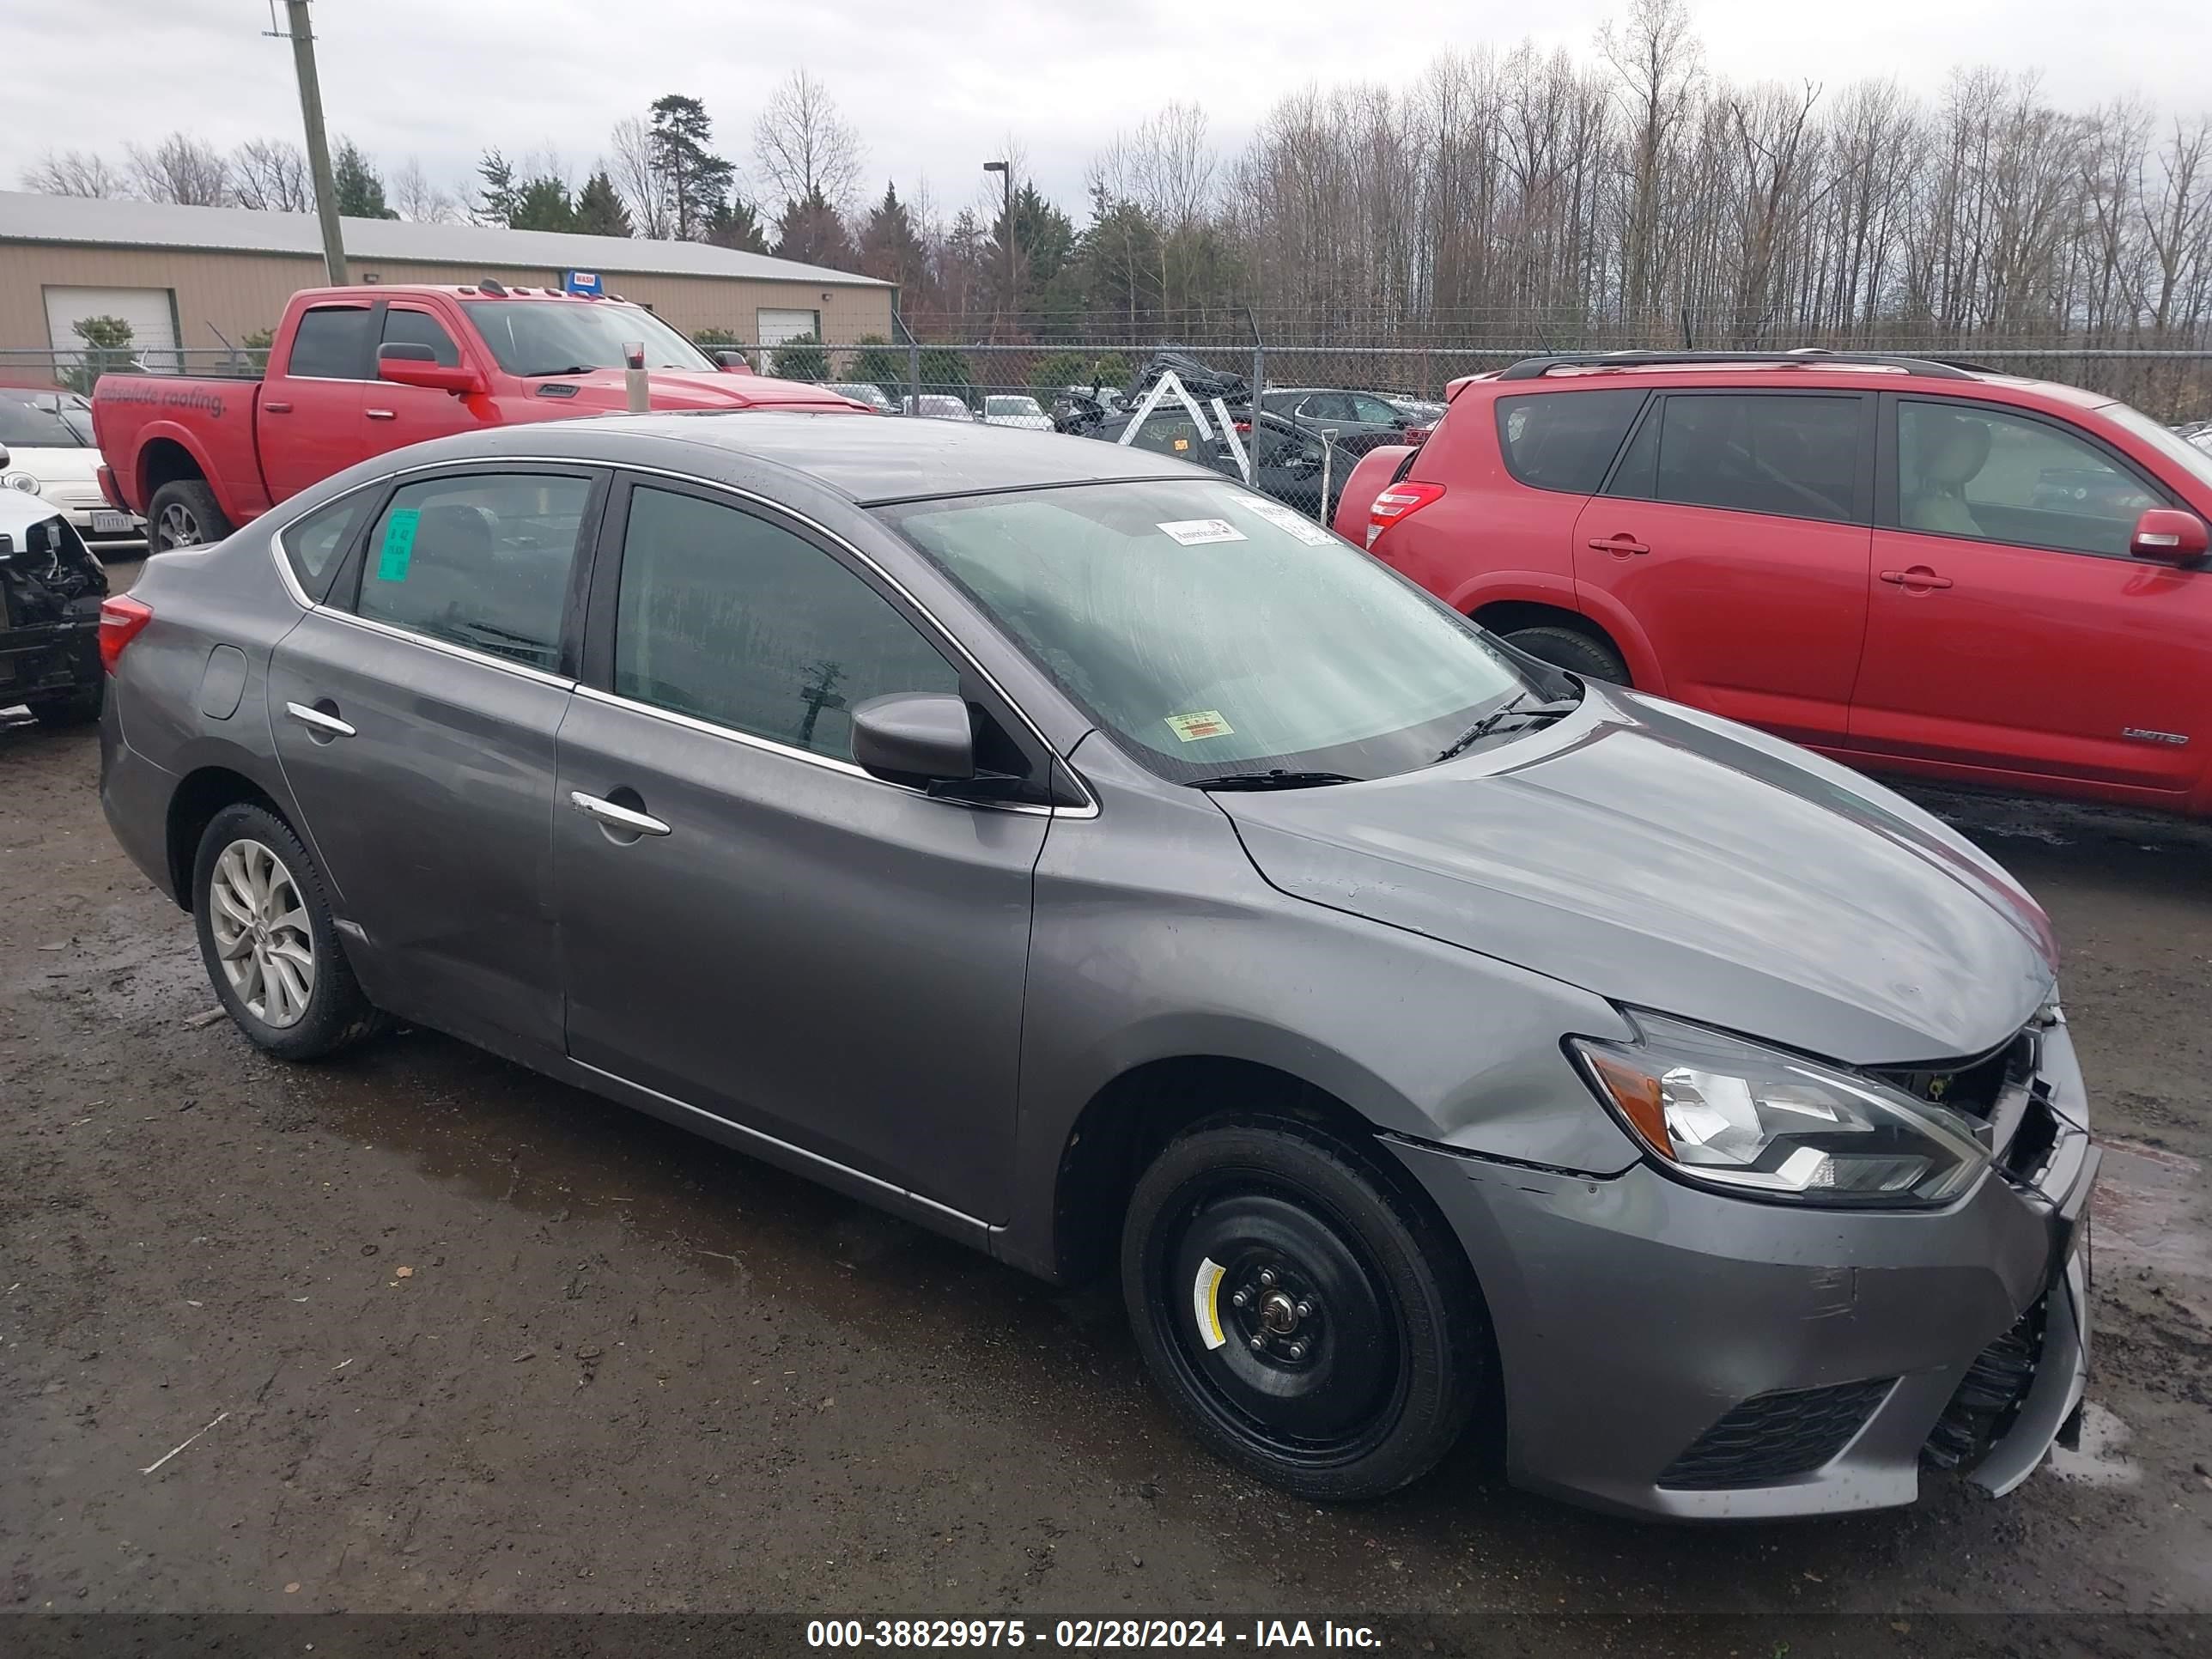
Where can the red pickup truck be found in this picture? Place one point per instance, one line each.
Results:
(353, 372)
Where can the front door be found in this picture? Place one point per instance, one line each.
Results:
(2008, 631)
(783, 942)
(1734, 531)
(394, 416)
(414, 719)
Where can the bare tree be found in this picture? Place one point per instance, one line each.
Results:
(271, 174)
(76, 172)
(181, 168)
(636, 173)
(417, 198)
(806, 151)
(1657, 59)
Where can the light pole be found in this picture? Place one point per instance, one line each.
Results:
(303, 37)
(1007, 228)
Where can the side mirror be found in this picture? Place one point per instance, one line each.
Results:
(2166, 535)
(405, 364)
(731, 360)
(915, 738)
(4, 458)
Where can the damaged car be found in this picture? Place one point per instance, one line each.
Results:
(52, 585)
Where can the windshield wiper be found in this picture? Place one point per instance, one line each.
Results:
(1278, 778)
(1515, 707)
(572, 369)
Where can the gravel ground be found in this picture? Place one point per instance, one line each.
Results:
(436, 1334)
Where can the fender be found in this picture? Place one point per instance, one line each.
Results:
(1551, 588)
(1635, 645)
(239, 501)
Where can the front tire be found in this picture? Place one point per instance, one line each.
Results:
(1572, 650)
(184, 514)
(1312, 1324)
(267, 937)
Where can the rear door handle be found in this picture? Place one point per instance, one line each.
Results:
(314, 719)
(1919, 576)
(1623, 544)
(382, 414)
(275, 409)
(619, 817)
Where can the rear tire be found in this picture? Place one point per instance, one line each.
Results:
(270, 946)
(184, 514)
(75, 707)
(1572, 650)
(1312, 1324)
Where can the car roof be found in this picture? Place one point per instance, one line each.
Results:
(867, 458)
(1939, 378)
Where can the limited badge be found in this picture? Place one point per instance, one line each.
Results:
(1205, 723)
(1191, 532)
(1205, 1301)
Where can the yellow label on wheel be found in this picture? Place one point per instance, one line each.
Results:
(1205, 1301)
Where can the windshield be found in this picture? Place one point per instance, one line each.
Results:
(535, 337)
(40, 423)
(2187, 456)
(1213, 631)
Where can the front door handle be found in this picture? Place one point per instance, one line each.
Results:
(382, 414)
(1624, 544)
(1918, 577)
(322, 725)
(275, 409)
(615, 817)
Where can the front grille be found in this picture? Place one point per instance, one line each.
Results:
(1974, 1086)
(1989, 1396)
(1771, 1437)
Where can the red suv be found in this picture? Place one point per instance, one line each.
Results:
(1912, 565)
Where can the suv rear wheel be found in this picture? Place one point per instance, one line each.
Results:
(1576, 651)
(1311, 1324)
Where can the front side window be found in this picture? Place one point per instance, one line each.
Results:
(482, 561)
(1969, 470)
(313, 545)
(728, 618)
(1793, 455)
(533, 338)
(403, 327)
(1563, 439)
(1374, 410)
(332, 343)
(1211, 630)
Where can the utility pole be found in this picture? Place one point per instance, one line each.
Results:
(1006, 235)
(302, 37)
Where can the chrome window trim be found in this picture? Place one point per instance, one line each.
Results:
(448, 647)
(284, 570)
(1088, 809)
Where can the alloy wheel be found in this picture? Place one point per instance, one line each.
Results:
(178, 527)
(262, 935)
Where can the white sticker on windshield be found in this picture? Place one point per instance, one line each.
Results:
(1289, 518)
(1191, 531)
(1205, 723)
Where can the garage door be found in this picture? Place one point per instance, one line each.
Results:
(151, 313)
(778, 326)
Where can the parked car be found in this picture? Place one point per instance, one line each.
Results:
(865, 392)
(1015, 409)
(51, 590)
(1915, 568)
(937, 406)
(1081, 855)
(354, 372)
(1288, 464)
(1361, 420)
(1419, 413)
(48, 438)
(1077, 409)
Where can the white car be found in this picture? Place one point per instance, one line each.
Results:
(933, 406)
(1005, 409)
(46, 440)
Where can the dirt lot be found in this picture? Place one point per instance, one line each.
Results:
(450, 1337)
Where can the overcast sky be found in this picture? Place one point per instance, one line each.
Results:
(934, 89)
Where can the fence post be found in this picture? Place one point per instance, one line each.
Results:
(913, 361)
(1259, 364)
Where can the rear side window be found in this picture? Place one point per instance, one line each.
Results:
(332, 343)
(482, 561)
(1793, 455)
(314, 545)
(420, 328)
(1564, 439)
(727, 617)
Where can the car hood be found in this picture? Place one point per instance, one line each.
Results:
(677, 389)
(1668, 860)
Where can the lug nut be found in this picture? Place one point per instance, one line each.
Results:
(1240, 1299)
(1267, 1277)
(1259, 1341)
(1305, 1310)
(1297, 1350)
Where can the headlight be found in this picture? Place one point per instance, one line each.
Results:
(22, 481)
(1731, 1114)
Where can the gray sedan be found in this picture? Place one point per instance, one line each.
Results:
(1080, 854)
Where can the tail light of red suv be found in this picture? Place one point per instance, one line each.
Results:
(1397, 503)
(121, 619)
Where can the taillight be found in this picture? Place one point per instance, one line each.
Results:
(1400, 501)
(121, 619)
(1244, 428)
(1415, 434)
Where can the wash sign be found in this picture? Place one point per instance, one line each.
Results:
(584, 282)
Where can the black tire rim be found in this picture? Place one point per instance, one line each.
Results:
(1276, 1321)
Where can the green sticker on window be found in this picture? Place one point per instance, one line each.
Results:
(399, 549)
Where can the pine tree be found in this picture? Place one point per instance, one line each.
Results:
(600, 209)
(811, 232)
(360, 186)
(543, 204)
(694, 177)
(495, 206)
(735, 223)
(891, 251)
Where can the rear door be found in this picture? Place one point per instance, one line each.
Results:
(2008, 630)
(394, 415)
(415, 713)
(310, 421)
(1735, 532)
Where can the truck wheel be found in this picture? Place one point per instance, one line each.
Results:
(184, 514)
(1576, 652)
